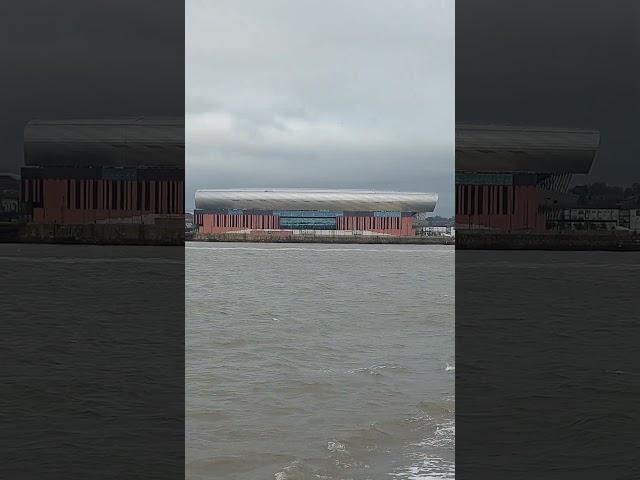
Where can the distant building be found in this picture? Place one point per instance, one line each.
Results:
(591, 219)
(431, 231)
(9, 197)
(516, 178)
(189, 226)
(104, 171)
(310, 211)
(630, 219)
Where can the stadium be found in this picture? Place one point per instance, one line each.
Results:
(516, 178)
(104, 171)
(310, 211)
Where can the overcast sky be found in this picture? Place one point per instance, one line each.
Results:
(563, 63)
(80, 59)
(297, 93)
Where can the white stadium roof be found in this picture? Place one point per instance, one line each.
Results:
(118, 142)
(498, 148)
(315, 199)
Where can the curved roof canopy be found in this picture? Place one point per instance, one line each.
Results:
(128, 142)
(490, 148)
(315, 199)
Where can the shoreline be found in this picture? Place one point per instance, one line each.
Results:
(172, 235)
(614, 242)
(339, 240)
(92, 234)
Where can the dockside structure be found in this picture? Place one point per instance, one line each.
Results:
(294, 211)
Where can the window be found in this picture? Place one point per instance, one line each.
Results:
(308, 223)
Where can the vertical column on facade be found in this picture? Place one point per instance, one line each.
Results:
(155, 185)
(511, 208)
(490, 200)
(174, 195)
(149, 186)
(166, 196)
(485, 200)
(158, 196)
(169, 197)
(141, 206)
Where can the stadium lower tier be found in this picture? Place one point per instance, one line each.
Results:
(97, 195)
(506, 201)
(393, 223)
(499, 207)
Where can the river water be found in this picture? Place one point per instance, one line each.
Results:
(319, 361)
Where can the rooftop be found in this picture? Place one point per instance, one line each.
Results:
(501, 148)
(315, 199)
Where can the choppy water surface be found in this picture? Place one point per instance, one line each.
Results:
(92, 361)
(319, 361)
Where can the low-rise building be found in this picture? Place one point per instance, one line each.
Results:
(435, 231)
(630, 219)
(593, 219)
(9, 197)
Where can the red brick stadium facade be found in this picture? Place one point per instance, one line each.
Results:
(221, 223)
(73, 196)
(331, 212)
